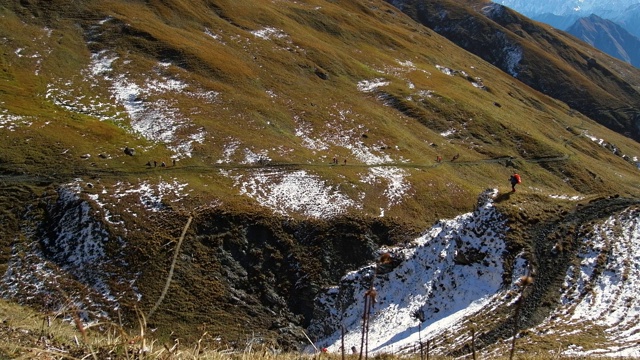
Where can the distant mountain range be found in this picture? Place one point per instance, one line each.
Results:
(520, 47)
(562, 14)
(563, 7)
(630, 19)
(608, 37)
(614, 30)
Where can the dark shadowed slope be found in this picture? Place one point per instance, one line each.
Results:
(540, 56)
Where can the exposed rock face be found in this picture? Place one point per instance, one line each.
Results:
(233, 271)
(70, 260)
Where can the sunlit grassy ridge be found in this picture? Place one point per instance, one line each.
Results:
(286, 82)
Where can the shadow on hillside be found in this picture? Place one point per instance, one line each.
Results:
(503, 196)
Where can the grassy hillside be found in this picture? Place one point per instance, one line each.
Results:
(549, 60)
(253, 101)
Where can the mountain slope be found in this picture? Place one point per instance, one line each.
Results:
(559, 7)
(608, 37)
(629, 19)
(179, 155)
(450, 282)
(561, 22)
(562, 14)
(545, 59)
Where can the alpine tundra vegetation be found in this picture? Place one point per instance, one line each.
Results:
(317, 176)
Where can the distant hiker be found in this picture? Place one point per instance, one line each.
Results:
(335, 160)
(163, 164)
(438, 158)
(174, 162)
(155, 163)
(514, 180)
(345, 162)
(455, 157)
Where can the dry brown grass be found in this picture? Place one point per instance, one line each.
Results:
(29, 335)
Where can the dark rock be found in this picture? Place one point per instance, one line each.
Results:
(321, 74)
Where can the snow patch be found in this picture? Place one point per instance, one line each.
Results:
(493, 10)
(513, 56)
(297, 192)
(12, 122)
(397, 185)
(268, 33)
(567, 197)
(448, 133)
(304, 131)
(371, 85)
(148, 109)
(445, 70)
(251, 157)
(75, 244)
(101, 63)
(229, 150)
(610, 299)
(214, 35)
(438, 275)
(344, 131)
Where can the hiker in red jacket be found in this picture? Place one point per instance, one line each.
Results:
(514, 180)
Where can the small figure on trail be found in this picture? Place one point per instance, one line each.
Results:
(148, 163)
(174, 162)
(345, 162)
(155, 163)
(163, 164)
(514, 180)
(455, 157)
(438, 158)
(335, 160)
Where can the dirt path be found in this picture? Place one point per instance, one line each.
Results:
(7, 176)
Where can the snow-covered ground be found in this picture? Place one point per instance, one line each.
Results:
(69, 262)
(438, 278)
(303, 192)
(78, 241)
(145, 196)
(149, 103)
(611, 300)
(294, 192)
